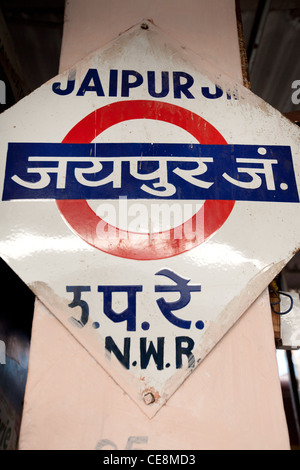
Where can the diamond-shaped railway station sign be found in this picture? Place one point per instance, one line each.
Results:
(147, 202)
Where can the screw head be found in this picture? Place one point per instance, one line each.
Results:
(148, 398)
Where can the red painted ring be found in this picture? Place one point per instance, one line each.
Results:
(139, 246)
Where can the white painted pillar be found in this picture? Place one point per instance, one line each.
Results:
(233, 399)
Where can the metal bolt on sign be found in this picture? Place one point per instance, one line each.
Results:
(148, 398)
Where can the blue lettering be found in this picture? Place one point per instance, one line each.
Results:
(184, 350)
(129, 314)
(78, 302)
(127, 84)
(56, 87)
(158, 84)
(212, 96)
(164, 85)
(113, 83)
(182, 88)
(184, 298)
(183, 347)
(111, 347)
(158, 354)
(233, 172)
(91, 82)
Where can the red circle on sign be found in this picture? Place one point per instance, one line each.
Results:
(143, 246)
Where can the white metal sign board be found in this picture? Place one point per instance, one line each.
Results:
(147, 202)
